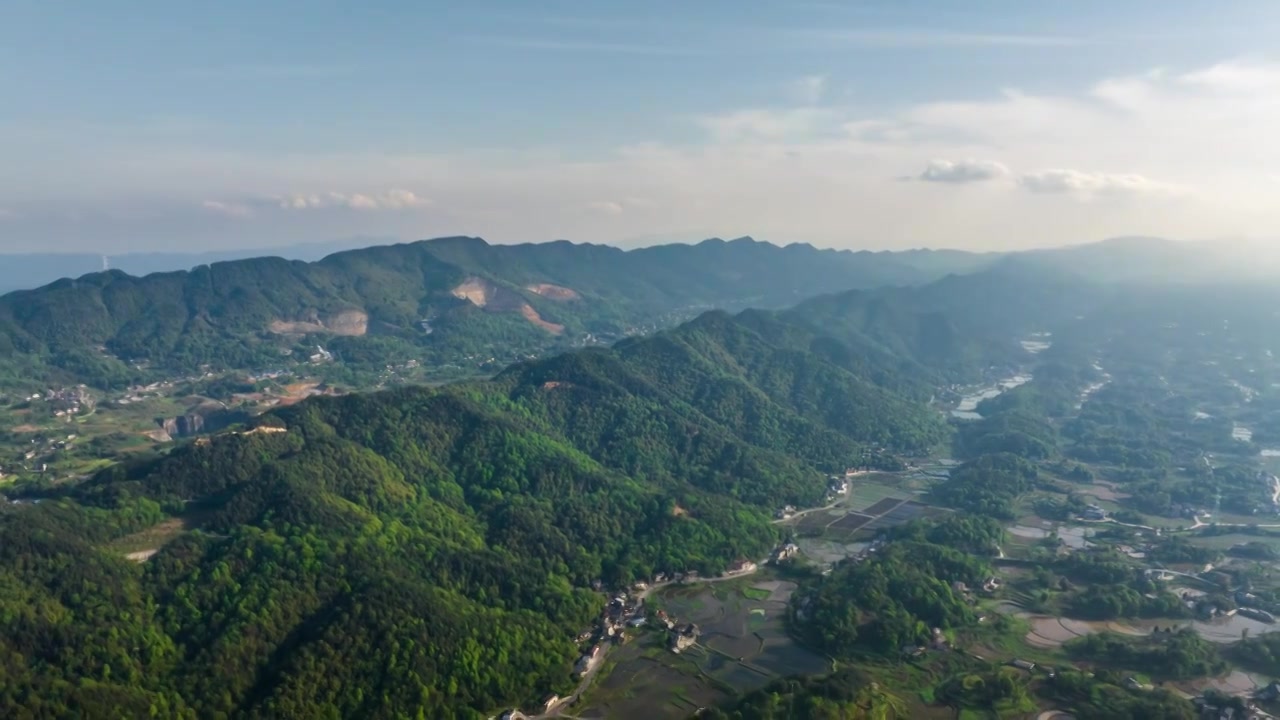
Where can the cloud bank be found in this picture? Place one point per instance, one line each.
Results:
(963, 171)
(1075, 181)
(388, 200)
(1178, 153)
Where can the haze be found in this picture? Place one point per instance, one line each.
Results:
(155, 126)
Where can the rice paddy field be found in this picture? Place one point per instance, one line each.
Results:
(743, 646)
(831, 534)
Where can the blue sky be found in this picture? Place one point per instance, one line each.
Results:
(149, 125)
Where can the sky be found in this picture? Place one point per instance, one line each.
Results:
(990, 124)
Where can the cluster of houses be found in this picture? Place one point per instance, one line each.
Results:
(1190, 512)
(784, 553)
(1212, 709)
(937, 641)
(42, 450)
(549, 703)
(66, 401)
(683, 637)
(623, 611)
(989, 586)
(838, 485)
(1254, 607)
(1094, 513)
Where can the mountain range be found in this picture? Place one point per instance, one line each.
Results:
(430, 550)
(439, 301)
(25, 271)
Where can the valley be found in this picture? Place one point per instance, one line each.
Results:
(908, 500)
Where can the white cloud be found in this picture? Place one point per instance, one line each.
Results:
(389, 200)
(7, 214)
(1235, 76)
(607, 207)
(1175, 152)
(617, 207)
(1092, 183)
(766, 124)
(227, 208)
(810, 89)
(963, 171)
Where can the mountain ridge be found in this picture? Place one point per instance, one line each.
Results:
(410, 300)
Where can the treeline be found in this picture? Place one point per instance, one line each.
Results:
(1100, 695)
(1260, 653)
(1172, 655)
(987, 486)
(844, 695)
(898, 594)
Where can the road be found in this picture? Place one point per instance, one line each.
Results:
(833, 503)
(802, 513)
(568, 702)
(590, 674)
(559, 711)
(643, 594)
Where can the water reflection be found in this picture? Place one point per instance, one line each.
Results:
(967, 409)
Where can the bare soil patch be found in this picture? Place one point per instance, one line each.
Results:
(553, 292)
(353, 323)
(532, 316)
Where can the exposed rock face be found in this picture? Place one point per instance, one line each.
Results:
(554, 292)
(348, 322)
(196, 423)
(492, 298)
(482, 293)
(182, 425)
(532, 316)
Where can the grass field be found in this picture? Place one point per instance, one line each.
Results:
(864, 495)
(1222, 542)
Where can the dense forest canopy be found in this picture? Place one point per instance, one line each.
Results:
(430, 552)
(491, 505)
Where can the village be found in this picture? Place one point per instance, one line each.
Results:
(626, 614)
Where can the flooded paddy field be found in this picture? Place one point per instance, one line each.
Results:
(1049, 632)
(876, 501)
(743, 646)
(644, 679)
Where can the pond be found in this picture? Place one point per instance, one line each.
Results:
(1073, 537)
(1241, 433)
(967, 409)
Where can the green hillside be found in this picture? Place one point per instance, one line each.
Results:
(438, 301)
(424, 550)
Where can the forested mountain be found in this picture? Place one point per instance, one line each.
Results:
(425, 551)
(436, 301)
(956, 325)
(460, 299)
(26, 271)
